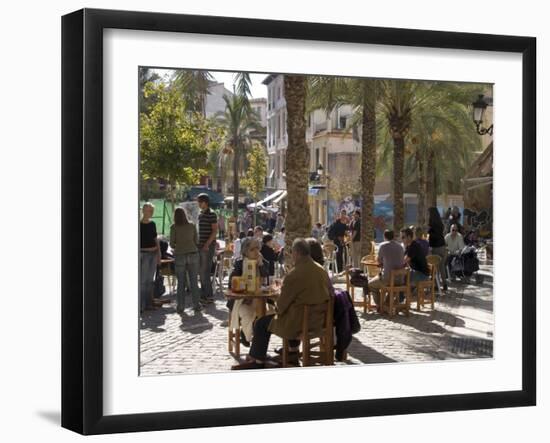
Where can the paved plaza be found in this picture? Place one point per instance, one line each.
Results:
(460, 327)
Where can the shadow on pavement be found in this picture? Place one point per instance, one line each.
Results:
(153, 320)
(195, 324)
(366, 354)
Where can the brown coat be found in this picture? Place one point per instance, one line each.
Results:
(306, 284)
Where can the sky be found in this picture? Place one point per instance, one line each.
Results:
(257, 89)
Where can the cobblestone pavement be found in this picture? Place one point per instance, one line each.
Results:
(461, 326)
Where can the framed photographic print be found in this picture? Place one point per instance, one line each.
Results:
(282, 221)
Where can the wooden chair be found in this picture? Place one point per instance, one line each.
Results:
(167, 272)
(234, 341)
(234, 338)
(435, 260)
(400, 282)
(426, 286)
(317, 346)
(366, 303)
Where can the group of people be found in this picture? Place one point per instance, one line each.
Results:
(306, 283)
(414, 248)
(193, 252)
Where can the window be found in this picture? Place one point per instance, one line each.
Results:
(316, 159)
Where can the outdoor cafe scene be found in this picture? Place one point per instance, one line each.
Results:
(289, 221)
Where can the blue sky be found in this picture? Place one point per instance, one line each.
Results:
(257, 88)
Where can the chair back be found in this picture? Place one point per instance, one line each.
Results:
(433, 260)
(400, 279)
(372, 271)
(317, 311)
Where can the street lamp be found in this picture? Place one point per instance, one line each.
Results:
(479, 111)
(320, 172)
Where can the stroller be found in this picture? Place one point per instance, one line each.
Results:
(465, 264)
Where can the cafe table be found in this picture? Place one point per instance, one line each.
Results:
(259, 298)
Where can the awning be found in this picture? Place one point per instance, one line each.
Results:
(261, 203)
(270, 197)
(280, 197)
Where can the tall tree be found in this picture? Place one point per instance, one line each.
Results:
(298, 220)
(256, 173)
(193, 85)
(330, 92)
(172, 141)
(239, 124)
(413, 108)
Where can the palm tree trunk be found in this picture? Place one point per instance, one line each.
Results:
(368, 166)
(421, 190)
(398, 172)
(431, 194)
(298, 220)
(235, 182)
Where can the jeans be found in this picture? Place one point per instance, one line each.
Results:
(441, 251)
(187, 271)
(147, 269)
(417, 276)
(355, 254)
(206, 258)
(260, 339)
(339, 254)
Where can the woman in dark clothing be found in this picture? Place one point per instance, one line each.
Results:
(436, 240)
(269, 254)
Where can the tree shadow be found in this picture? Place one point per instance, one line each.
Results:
(477, 302)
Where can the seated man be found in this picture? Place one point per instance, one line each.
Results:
(414, 257)
(390, 258)
(455, 243)
(306, 283)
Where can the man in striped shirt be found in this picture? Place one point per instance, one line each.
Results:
(208, 228)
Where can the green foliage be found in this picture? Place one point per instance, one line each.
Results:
(256, 172)
(440, 123)
(174, 144)
(193, 87)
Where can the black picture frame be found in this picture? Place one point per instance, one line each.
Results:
(82, 190)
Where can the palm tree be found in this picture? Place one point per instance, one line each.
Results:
(330, 92)
(193, 85)
(298, 220)
(239, 123)
(442, 138)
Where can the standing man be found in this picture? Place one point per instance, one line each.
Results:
(208, 228)
(355, 228)
(336, 233)
(280, 222)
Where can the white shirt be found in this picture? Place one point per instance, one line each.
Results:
(454, 244)
(237, 249)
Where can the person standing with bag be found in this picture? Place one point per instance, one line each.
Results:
(183, 240)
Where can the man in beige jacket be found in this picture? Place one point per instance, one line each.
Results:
(307, 283)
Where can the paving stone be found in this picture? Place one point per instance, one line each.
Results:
(461, 326)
